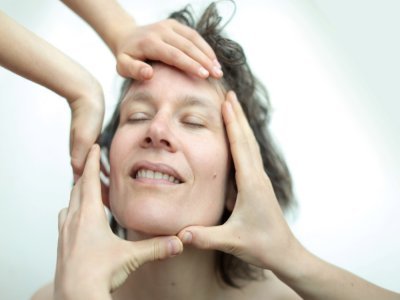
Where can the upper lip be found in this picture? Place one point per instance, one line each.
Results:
(156, 167)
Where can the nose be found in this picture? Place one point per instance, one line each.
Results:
(159, 135)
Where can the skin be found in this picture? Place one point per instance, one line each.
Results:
(179, 129)
(167, 41)
(30, 56)
(256, 232)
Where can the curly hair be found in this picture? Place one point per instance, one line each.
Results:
(254, 99)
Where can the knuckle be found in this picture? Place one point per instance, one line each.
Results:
(192, 34)
(133, 264)
(173, 55)
(170, 22)
(146, 41)
(156, 251)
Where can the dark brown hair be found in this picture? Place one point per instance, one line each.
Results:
(254, 99)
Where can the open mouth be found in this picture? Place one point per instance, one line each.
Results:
(155, 173)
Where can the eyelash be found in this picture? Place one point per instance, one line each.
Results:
(194, 125)
(140, 117)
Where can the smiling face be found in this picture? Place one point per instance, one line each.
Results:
(169, 156)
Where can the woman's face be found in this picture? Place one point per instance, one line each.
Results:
(169, 157)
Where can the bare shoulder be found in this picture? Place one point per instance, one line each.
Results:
(270, 288)
(44, 293)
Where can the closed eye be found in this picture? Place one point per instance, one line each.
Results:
(138, 117)
(194, 122)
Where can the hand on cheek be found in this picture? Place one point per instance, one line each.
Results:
(256, 231)
(91, 260)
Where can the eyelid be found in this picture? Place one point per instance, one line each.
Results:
(137, 116)
(194, 120)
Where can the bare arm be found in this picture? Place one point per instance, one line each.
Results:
(26, 54)
(314, 278)
(106, 17)
(257, 231)
(167, 41)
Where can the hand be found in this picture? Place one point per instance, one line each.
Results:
(256, 231)
(87, 115)
(91, 260)
(167, 41)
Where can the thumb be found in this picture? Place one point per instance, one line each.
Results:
(210, 238)
(155, 249)
(145, 251)
(133, 68)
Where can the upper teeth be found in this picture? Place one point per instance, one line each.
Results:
(143, 173)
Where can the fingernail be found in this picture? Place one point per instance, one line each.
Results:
(217, 64)
(203, 72)
(174, 247)
(217, 71)
(187, 237)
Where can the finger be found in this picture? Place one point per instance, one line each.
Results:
(62, 215)
(245, 125)
(81, 141)
(239, 144)
(241, 116)
(74, 200)
(90, 185)
(197, 40)
(193, 52)
(133, 68)
(86, 124)
(210, 238)
(175, 57)
(139, 253)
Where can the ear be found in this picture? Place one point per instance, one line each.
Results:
(231, 194)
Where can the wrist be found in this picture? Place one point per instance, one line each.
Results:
(118, 34)
(81, 289)
(294, 263)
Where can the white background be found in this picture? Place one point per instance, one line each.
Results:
(332, 70)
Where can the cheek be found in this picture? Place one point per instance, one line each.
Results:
(211, 165)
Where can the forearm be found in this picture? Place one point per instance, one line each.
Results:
(313, 278)
(24, 53)
(106, 17)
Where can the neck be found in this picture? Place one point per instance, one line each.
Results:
(191, 275)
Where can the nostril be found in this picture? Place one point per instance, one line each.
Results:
(147, 140)
(166, 143)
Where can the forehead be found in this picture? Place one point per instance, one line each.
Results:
(172, 84)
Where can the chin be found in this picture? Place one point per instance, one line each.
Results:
(149, 220)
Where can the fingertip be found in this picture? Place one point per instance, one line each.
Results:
(175, 246)
(231, 95)
(217, 64)
(95, 150)
(217, 72)
(146, 73)
(186, 237)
